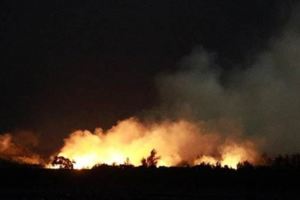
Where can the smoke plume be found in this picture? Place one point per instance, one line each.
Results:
(262, 97)
(19, 147)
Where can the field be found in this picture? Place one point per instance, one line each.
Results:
(150, 183)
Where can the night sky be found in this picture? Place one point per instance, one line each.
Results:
(67, 65)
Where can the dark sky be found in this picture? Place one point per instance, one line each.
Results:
(81, 64)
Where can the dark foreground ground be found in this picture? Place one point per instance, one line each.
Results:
(150, 183)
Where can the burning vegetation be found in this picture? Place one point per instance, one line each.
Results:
(136, 143)
(169, 144)
(132, 143)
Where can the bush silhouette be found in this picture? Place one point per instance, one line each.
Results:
(151, 160)
(62, 162)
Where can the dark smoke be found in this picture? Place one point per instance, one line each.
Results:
(264, 97)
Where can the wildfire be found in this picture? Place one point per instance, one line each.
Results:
(130, 141)
(231, 155)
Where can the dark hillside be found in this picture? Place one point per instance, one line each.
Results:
(107, 182)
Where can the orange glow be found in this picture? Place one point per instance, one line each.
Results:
(11, 150)
(206, 160)
(232, 154)
(175, 142)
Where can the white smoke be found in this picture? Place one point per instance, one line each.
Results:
(264, 98)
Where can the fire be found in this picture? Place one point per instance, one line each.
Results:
(206, 160)
(231, 155)
(131, 140)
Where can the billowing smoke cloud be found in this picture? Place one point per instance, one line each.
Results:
(19, 147)
(264, 98)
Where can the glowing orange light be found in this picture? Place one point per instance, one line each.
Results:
(131, 141)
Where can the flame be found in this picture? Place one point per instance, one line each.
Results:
(233, 154)
(206, 160)
(131, 141)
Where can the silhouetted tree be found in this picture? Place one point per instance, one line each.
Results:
(218, 165)
(62, 162)
(286, 161)
(127, 161)
(244, 165)
(126, 164)
(151, 160)
(295, 160)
